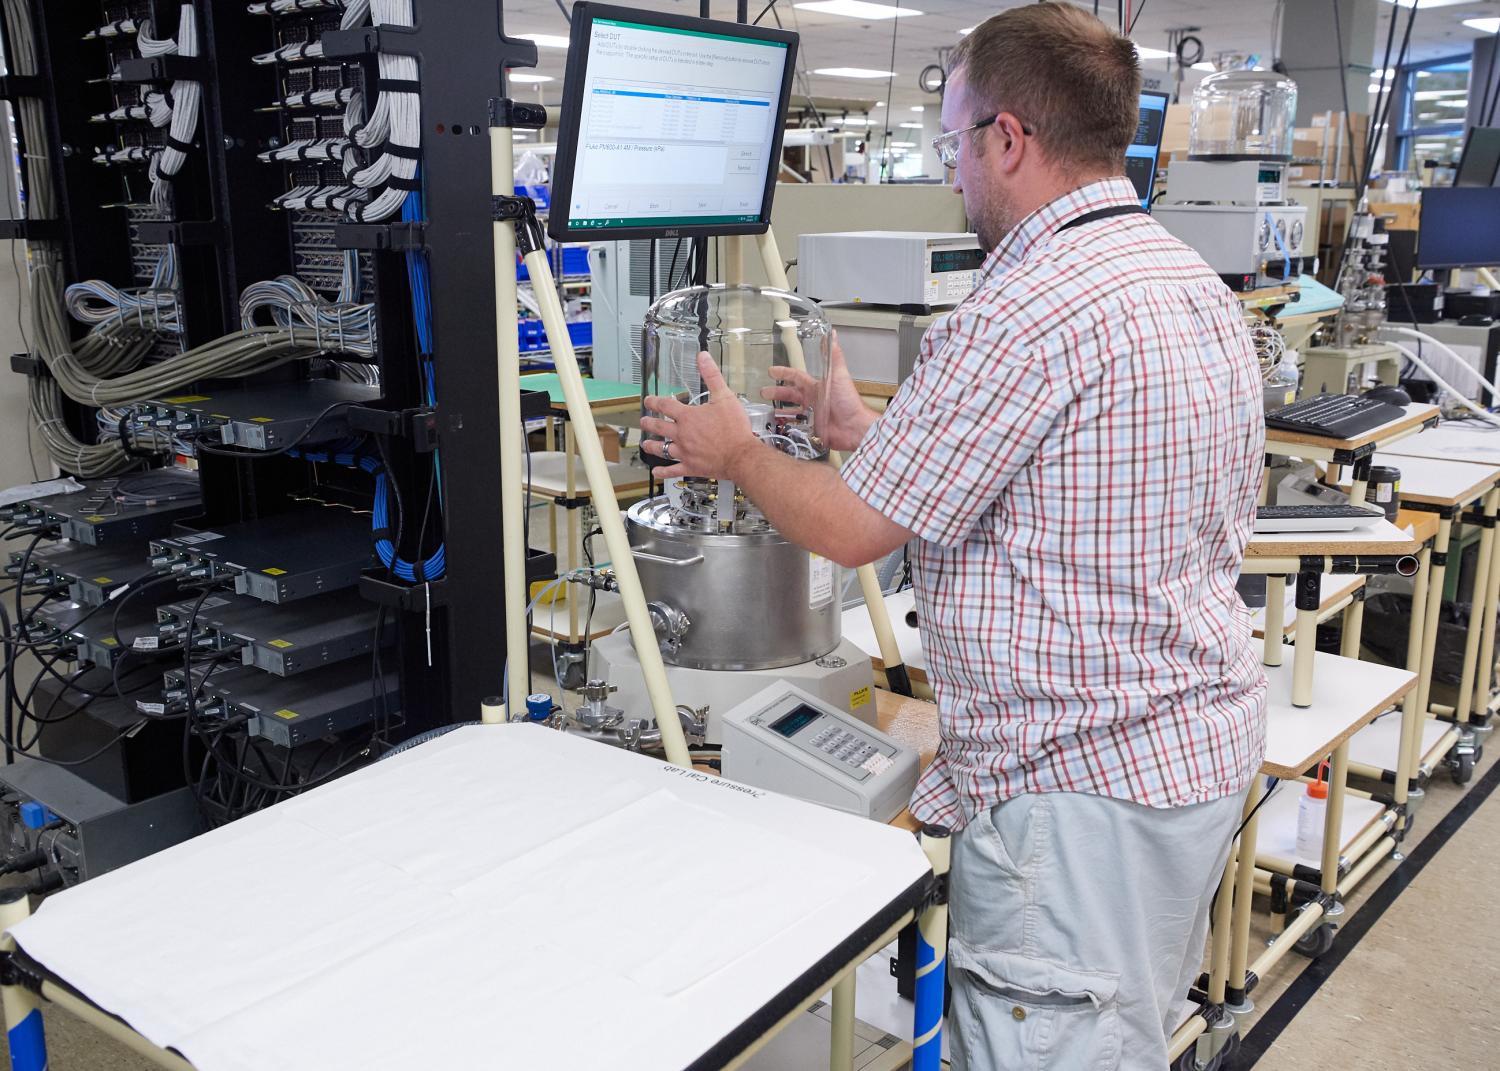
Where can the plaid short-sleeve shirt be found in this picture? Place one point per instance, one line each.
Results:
(1079, 450)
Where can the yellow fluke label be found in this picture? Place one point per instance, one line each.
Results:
(262, 419)
(103, 580)
(274, 572)
(94, 518)
(280, 643)
(186, 399)
(287, 714)
(859, 697)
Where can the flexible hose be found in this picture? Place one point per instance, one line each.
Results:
(1443, 384)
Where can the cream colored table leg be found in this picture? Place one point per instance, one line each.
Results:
(1275, 619)
(1218, 947)
(25, 1034)
(1305, 641)
(1489, 606)
(549, 440)
(1412, 715)
(1354, 623)
(1333, 823)
(1359, 473)
(1439, 559)
(573, 532)
(1244, 877)
(1481, 588)
(1265, 484)
(841, 1052)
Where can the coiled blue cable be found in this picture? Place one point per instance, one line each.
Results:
(345, 456)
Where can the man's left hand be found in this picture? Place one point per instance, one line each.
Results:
(702, 440)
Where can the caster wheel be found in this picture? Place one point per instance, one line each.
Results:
(1316, 942)
(1461, 768)
(1478, 753)
(573, 676)
(1223, 1060)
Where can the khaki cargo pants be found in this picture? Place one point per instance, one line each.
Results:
(1078, 923)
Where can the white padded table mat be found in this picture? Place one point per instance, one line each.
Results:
(501, 897)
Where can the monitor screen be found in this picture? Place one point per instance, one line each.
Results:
(1145, 147)
(670, 126)
(1481, 158)
(1459, 228)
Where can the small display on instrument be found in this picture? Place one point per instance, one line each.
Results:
(957, 259)
(796, 720)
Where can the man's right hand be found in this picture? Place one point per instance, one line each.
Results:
(840, 416)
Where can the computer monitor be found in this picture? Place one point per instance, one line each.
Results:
(1142, 153)
(671, 126)
(1481, 159)
(1459, 227)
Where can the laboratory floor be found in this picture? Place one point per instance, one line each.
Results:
(1405, 985)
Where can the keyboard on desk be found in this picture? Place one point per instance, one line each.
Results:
(1333, 416)
(1273, 519)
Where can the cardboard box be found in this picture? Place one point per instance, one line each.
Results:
(1176, 131)
(1327, 140)
(1398, 217)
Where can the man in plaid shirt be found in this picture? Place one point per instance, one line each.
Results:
(1076, 458)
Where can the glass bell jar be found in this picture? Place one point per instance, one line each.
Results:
(1243, 115)
(747, 331)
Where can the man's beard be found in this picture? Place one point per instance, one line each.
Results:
(993, 219)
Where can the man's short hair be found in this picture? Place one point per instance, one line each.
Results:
(1064, 73)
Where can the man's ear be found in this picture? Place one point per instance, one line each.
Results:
(1008, 141)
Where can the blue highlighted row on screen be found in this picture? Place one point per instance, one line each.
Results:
(678, 96)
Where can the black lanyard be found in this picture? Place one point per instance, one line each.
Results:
(1102, 213)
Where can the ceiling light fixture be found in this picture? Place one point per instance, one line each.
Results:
(857, 9)
(1483, 25)
(1204, 65)
(853, 72)
(529, 79)
(1152, 53)
(545, 40)
(1423, 5)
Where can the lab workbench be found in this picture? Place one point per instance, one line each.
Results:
(1356, 452)
(411, 932)
(1462, 453)
(1449, 491)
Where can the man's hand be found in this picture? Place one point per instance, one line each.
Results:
(703, 440)
(840, 417)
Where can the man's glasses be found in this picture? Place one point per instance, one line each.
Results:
(946, 145)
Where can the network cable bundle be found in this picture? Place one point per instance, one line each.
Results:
(232, 352)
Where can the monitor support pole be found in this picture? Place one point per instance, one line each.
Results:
(516, 227)
(869, 584)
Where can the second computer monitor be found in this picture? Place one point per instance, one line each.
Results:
(1144, 149)
(1460, 228)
